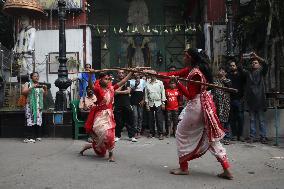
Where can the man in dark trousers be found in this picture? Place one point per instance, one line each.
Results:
(123, 113)
(255, 96)
(236, 119)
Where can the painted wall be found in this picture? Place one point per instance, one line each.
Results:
(47, 42)
(116, 13)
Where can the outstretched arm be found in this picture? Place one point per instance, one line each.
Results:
(192, 90)
(124, 80)
(264, 65)
(181, 73)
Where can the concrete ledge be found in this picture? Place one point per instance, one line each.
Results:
(12, 125)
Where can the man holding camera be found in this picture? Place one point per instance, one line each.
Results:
(255, 96)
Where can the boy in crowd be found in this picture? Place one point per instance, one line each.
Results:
(172, 108)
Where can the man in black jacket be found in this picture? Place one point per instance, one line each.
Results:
(123, 110)
(255, 96)
(236, 119)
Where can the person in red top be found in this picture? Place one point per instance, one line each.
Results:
(166, 81)
(172, 108)
(200, 129)
(100, 124)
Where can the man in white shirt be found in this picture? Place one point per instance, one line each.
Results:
(155, 102)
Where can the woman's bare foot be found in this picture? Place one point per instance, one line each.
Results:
(81, 152)
(179, 172)
(226, 175)
(110, 157)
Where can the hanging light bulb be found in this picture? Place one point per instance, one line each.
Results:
(120, 30)
(179, 28)
(199, 27)
(105, 46)
(127, 28)
(133, 29)
(166, 30)
(98, 30)
(148, 29)
(155, 30)
(114, 30)
(176, 29)
(187, 45)
(136, 29)
(143, 28)
(104, 31)
(186, 29)
(194, 29)
(190, 28)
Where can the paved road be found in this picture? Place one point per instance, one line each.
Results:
(55, 163)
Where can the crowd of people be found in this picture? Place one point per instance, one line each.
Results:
(156, 103)
(160, 105)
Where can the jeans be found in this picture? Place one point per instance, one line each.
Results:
(123, 117)
(236, 118)
(172, 117)
(156, 115)
(226, 127)
(254, 116)
(137, 117)
(145, 121)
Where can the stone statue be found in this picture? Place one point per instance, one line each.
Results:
(25, 45)
(138, 50)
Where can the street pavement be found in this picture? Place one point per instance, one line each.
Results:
(55, 163)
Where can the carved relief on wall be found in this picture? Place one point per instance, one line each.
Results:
(138, 43)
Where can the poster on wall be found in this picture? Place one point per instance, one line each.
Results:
(72, 62)
(52, 4)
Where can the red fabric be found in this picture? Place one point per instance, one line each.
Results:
(166, 83)
(108, 144)
(213, 126)
(183, 166)
(196, 153)
(100, 105)
(192, 89)
(172, 99)
(180, 73)
(225, 163)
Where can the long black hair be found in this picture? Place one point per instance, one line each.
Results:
(202, 61)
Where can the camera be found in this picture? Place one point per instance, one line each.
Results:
(247, 55)
(39, 86)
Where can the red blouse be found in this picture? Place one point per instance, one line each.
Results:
(192, 89)
(180, 73)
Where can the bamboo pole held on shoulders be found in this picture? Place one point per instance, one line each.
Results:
(231, 90)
